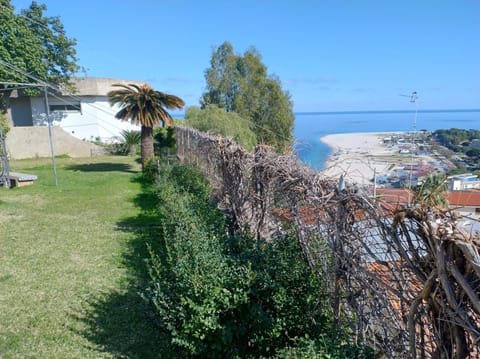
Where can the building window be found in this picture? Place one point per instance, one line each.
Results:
(65, 108)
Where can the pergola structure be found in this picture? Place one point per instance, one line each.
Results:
(4, 164)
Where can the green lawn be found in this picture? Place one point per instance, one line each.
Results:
(71, 262)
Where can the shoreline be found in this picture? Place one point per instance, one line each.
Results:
(358, 156)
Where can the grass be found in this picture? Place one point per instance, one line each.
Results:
(72, 262)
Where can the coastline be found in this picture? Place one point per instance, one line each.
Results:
(358, 156)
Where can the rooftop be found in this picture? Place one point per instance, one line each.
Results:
(395, 195)
(97, 86)
(463, 198)
(464, 177)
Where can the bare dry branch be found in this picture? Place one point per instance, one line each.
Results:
(405, 280)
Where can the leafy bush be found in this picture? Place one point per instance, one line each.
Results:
(192, 283)
(218, 121)
(473, 152)
(286, 299)
(131, 142)
(4, 124)
(165, 141)
(219, 295)
(324, 347)
(165, 137)
(151, 170)
(115, 149)
(63, 155)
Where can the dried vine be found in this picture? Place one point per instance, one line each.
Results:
(406, 279)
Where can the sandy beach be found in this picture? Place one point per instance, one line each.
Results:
(357, 156)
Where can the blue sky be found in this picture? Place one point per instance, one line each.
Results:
(329, 55)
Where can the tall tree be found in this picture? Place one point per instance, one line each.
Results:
(241, 84)
(35, 44)
(144, 106)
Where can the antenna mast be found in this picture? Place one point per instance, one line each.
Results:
(413, 98)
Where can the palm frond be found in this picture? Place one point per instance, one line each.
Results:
(141, 104)
(131, 137)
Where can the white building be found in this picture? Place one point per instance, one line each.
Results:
(475, 143)
(463, 182)
(86, 114)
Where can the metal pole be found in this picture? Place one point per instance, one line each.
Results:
(5, 165)
(50, 135)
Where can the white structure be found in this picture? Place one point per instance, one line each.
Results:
(475, 143)
(463, 182)
(86, 114)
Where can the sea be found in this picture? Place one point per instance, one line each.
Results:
(311, 126)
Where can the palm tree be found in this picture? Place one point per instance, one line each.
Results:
(141, 104)
(432, 191)
(131, 139)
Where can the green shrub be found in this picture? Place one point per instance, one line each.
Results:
(192, 283)
(324, 347)
(151, 170)
(217, 121)
(286, 299)
(4, 124)
(130, 142)
(114, 149)
(63, 155)
(219, 295)
(165, 140)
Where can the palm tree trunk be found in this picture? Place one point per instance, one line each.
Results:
(147, 145)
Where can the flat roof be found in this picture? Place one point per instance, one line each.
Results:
(98, 86)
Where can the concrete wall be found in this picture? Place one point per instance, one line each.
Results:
(98, 86)
(29, 142)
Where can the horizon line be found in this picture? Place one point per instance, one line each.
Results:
(386, 111)
(368, 111)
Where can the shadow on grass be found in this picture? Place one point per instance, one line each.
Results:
(123, 324)
(102, 167)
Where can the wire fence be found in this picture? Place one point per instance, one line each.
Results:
(404, 280)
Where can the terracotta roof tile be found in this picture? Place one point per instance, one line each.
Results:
(463, 198)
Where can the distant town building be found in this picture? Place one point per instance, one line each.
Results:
(86, 114)
(403, 196)
(475, 143)
(463, 182)
(466, 203)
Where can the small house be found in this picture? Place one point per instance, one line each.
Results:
(86, 114)
(463, 182)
